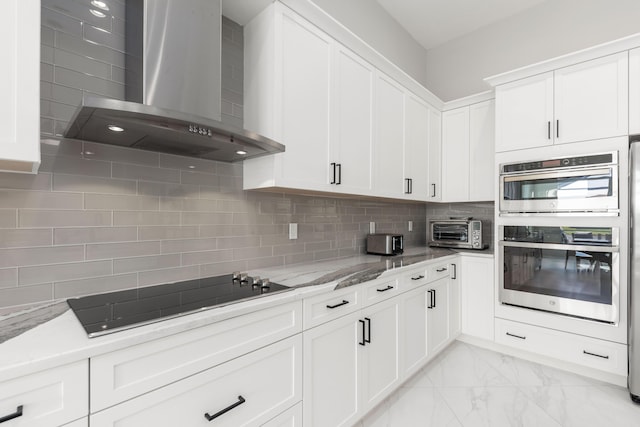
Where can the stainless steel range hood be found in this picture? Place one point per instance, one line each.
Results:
(172, 88)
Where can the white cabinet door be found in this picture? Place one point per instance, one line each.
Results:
(47, 398)
(634, 91)
(482, 151)
(249, 390)
(477, 296)
(413, 330)
(524, 113)
(388, 146)
(306, 63)
(20, 86)
(380, 369)
(416, 152)
(455, 319)
(435, 155)
(591, 99)
(331, 373)
(292, 417)
(437, 315)
(352, 123)
(455, 155)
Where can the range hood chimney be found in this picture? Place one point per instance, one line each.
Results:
(173, 88)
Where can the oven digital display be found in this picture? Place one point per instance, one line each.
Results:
(551, 163)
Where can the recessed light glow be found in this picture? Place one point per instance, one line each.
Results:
(100, 4)
(241, 152)
(88, 153)
(191, 167)
(114, 128)
(97, 13)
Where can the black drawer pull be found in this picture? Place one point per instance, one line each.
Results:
(16, 414)
(517, 336)
(418, 277)
(225, 410)
(440, 270)
(344, 302)
(388, 288)
(593, 354)
(368, 339)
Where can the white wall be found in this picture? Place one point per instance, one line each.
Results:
(556, 27)
(369, 21)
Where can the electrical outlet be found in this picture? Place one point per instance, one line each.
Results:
(293, 231)
(372, 227)
(410, 225)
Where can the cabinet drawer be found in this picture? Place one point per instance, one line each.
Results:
(379, 290)
(48, 398)
(591, 352)
(292, 417)
(415, 278)
(323, 308)
(439, 270)
(127, 373)
(254, 388)
(83, 422)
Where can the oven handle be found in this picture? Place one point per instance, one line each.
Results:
(559, 246)
(568, 172)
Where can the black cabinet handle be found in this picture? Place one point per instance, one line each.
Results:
(549, 130)
(434, 298)
(368, 339)
(418, 277)
(433, 190)
(333, 180)
(410, 185)
(431, 299)
(594, 354)
(363, 342)
(516, 336)
(407, 190)
(557, 128)
(440, 270)
(16, 414)
(454, 275)
(339, 166)
(340, 304)
(388, 288)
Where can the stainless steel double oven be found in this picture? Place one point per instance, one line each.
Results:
(558, 250)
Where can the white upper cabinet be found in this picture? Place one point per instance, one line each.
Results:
(347, 127)
(388, 148)
(352, 123)
(455, 155)
(288, 95)
(482, 151)
(468, 153)
(634, 91)
(435, 156)
(524, 113)
(416, 148)
(20, 87)
(581, 102)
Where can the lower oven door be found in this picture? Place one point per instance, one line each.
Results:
(580, 281)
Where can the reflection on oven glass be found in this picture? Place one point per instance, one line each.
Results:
(574, 274)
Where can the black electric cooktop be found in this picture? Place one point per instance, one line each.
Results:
(115, 311)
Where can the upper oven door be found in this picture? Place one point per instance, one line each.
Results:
(580, 190)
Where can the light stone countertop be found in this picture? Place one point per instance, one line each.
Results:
(51, 335)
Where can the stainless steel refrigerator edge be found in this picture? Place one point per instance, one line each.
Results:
(634, 283)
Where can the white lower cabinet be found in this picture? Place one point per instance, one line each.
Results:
(477, 296)
(46, 399)
(292, 417)
(414, 331)
(586, 351)
(350, 364)
(437, 315)
(83, 422)
(249, 390)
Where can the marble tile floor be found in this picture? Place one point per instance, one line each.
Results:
(468, 386)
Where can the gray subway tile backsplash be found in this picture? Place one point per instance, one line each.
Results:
(58, 272)
(8, 277)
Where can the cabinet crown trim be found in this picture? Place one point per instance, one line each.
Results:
(587, 54)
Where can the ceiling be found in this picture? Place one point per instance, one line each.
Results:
(434, 22)
(430, 22)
